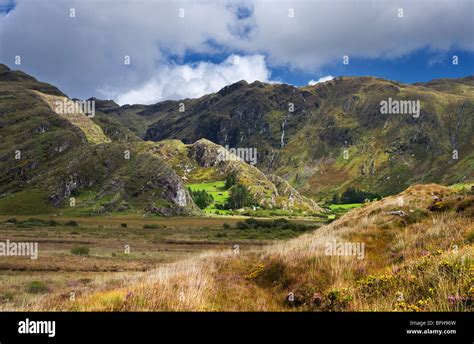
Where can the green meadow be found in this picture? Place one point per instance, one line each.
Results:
(345, 206)
(218, 191)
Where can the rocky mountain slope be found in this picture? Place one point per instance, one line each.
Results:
(201, 161)
(66, 160)
(54, 160)
(329, 136)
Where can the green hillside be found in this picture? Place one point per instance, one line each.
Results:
(336, 136)
(98, 165)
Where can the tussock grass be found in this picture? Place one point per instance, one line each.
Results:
(421, 261)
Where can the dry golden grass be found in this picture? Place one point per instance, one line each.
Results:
(92, 131)
(421, 261)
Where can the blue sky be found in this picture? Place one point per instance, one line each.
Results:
(217, 43)
(7, 5)
(418, 66)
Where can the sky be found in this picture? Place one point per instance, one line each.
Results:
(146, 51)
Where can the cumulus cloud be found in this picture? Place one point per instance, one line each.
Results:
(195, 80)
(322, 32)
(85, 54)
(322, 79)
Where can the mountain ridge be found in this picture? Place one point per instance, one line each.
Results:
(307, 147)
(334, 116)
(57, 158)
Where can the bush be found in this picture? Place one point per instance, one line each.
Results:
(470, 237)
(379, 285)
(275, 224)
(241, 225)
(71, 223)
(226, 225)
(36, 287)
(80, 251)
(352, 195)
(220, 206)
(151, 226)
(284, 223)
(7, 297)
(274, 274)
(53, 223)
(201, 198)
(230, 180)
(438, 205)
(252, 223)
(416, 216)
(337, 300)
(32, 222)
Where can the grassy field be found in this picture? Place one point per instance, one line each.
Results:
(421, 261)
(218, 192)
(462, 186)
(224, 263)
(60, 268)
(26, 202)
(345, 206)
(337, 210)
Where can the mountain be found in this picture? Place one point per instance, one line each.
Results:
(54, 159)
(311, 142)
(336, 136)
(201, 161)
(47, 158)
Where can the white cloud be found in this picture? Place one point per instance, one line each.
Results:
(322, 32)
(84, 55)
(196, 80)
(322, 79)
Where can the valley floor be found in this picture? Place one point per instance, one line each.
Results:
(417, 256)
(117, 247)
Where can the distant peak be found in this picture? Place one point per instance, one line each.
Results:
(233, 87)
(105, 101)
(6, 74)
(4, 68)
(204, 141)
(104, 105)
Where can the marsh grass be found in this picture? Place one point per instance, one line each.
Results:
(422, 263)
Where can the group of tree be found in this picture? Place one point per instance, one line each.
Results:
(239, 197)
(353, 195)
(201, 198)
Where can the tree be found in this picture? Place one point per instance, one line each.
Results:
(230, 180)
(201, 198)
(239, 197)
(352, 195)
